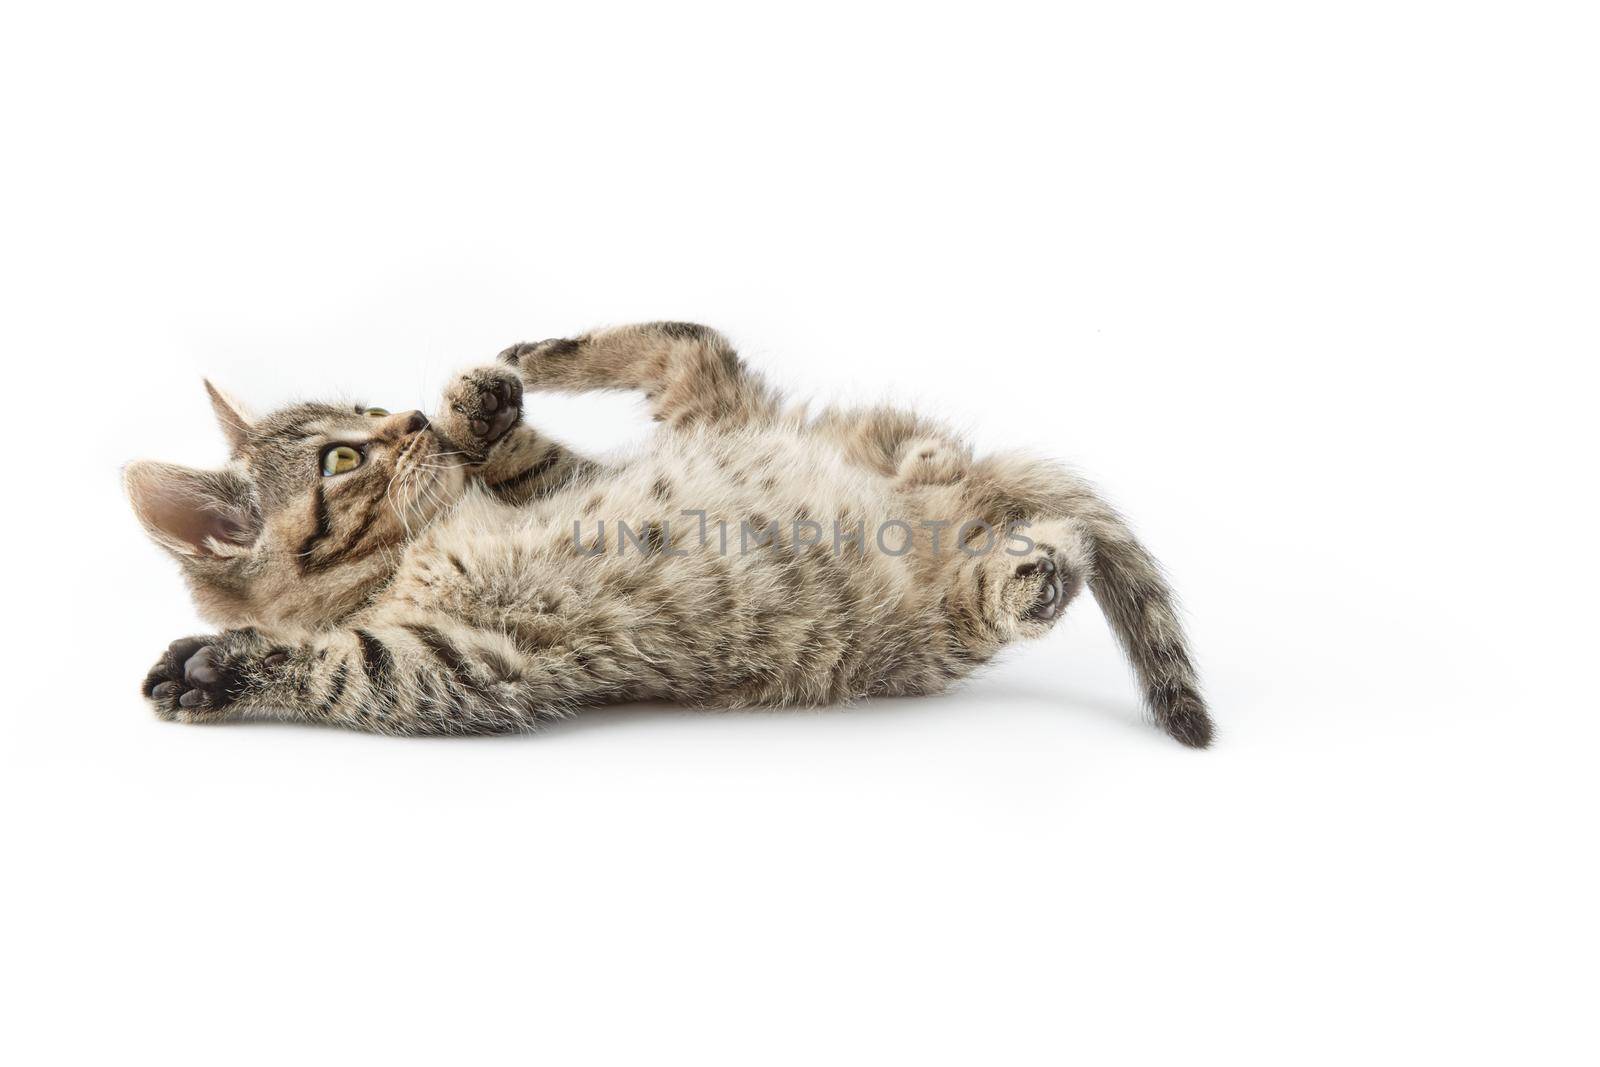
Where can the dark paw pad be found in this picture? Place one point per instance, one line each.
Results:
(499, 406)
(484, 406)
(1048, 604)
(1057, 587)
(193, 676)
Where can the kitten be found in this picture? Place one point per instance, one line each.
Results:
(465, 574)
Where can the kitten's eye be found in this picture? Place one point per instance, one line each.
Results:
(339, 459)
(375, 413)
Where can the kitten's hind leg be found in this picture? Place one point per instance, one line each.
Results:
(1045, 569)
(1125, 579)
(1017, 587)
(932, 461)
(900, 445)
(689, 373)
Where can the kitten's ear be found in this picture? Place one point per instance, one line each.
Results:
(230, 416)
(194, 514)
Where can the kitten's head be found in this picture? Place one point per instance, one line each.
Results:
(303, 521)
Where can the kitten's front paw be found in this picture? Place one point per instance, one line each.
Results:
(480, 408)
(197, 678)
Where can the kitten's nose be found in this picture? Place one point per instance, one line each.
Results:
(401, 424)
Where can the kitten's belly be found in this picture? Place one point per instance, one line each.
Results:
(668, 556)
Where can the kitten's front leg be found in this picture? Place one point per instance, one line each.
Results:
(482, 418)
(208, 678)
(481, 407)
(425, 675)
(246, 673)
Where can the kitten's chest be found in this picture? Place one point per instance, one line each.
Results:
(668, 519)
(479, 566)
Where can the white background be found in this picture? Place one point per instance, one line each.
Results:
(1309, 289)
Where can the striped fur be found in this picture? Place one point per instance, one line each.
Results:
(474, 576)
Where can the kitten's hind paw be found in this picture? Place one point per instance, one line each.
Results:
(1040, 588)
(1037, 587)
(933, 461)
(529, 357)
(1050, 593)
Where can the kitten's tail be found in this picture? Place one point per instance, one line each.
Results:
(1140, 606)
(1126, 581)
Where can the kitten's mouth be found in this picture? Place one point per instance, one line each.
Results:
(427, 447)
(448, 450)
(408, 451)
(417, 488)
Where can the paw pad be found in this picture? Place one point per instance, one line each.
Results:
(1057, 587)
(195, 675)
(483, 407)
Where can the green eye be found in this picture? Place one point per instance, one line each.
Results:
(375, 413)
(339, 459)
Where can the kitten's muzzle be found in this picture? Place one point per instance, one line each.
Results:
(402, 424)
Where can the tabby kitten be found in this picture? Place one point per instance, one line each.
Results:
(465, 574)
